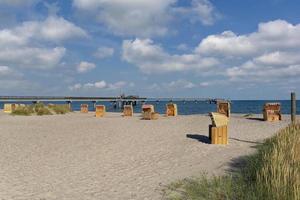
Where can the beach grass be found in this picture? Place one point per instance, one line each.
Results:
(60, 109)
(23, 110)
(271, 173)
(41, 109)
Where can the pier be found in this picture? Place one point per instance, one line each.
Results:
(117, 101)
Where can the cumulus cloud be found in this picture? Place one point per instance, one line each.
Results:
(269, 54)
(104, 52)
(85, 66)
(53, 29)
(145, 18)
(129, 17)
(151, 58)
(200, 10)
(27, 45)
(35, 58)
(100, 85)
(271, 36)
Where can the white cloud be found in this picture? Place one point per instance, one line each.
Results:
(53, 29)
(36, 58)
(226, 44)
(279, 58)
(129, 17)
(117, 85)
(200, 10)
(29, 44)
(77, 86)
(104, 52)
(182, 47)
(85, 66)
(18, 2)
(100, 85)
(179, 84)
(151, 58)
(273, 56)
(269, 54)
(205, 11)
(145, 18)
(271, 36)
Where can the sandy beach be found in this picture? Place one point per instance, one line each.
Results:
(80, 157)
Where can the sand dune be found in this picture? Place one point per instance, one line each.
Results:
(80, 157)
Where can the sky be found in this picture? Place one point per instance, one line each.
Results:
(229, 49)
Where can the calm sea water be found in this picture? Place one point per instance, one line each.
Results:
(188, 108)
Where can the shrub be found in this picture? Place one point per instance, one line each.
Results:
(60, 109)
(38, 109)
(43, 111)
(22, 110)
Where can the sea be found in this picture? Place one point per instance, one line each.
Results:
(191, 107)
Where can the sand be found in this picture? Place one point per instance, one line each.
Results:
(80, 157)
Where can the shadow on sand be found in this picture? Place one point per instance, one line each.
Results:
(247, 141)
(235, 165)
(200, 138)
(255, 118)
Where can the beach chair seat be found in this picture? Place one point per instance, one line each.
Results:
(223, 107)
(100, 111)
(272, 112)
(150, 116)
(218, 130)
(84, 108)
(148, 112)
(128, 111)
(171, 110)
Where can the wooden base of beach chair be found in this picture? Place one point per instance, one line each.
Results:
(171, 110)
(84, 108)
(272, 117)
(150, 115)
(100, 110)
(218, 135)
(9, 108)
(128, 111)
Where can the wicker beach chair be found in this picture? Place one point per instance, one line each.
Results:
(218, 130)
(272, 112)
(171, 110)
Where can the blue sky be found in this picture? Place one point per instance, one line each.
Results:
(173, 48)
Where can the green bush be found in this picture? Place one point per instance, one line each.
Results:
(59, 109)
(23, 110)
(273, 173)
(41, 109)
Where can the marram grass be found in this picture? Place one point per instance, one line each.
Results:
(273, 173)
(41, 109)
